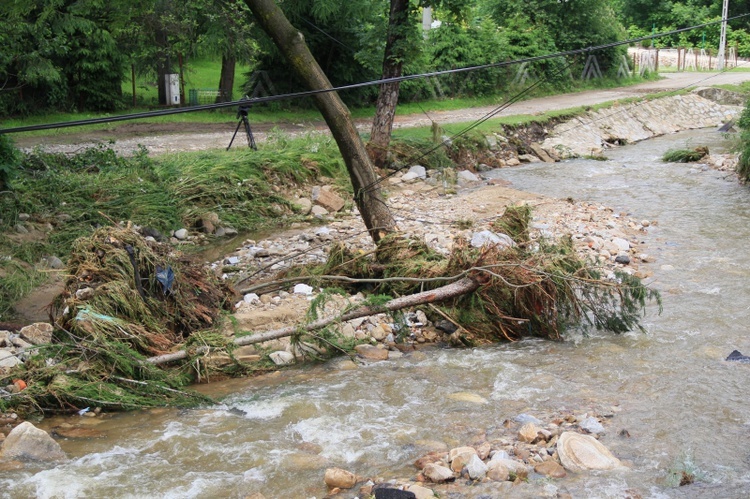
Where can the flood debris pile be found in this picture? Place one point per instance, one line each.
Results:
(520, 287)
(126, 298)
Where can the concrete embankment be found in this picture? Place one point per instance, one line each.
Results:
(591, 133)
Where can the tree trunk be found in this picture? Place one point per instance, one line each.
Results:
(382, 124)
(226, 82)
(163, 66)
(452, 290)
(291, 43)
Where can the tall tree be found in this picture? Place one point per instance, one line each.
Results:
(226, 32)
(393, 61)
(59, 54)
(291, 43)
(401, 40)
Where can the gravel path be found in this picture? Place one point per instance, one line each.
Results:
(174, 137)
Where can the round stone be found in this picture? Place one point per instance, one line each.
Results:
(580, 453)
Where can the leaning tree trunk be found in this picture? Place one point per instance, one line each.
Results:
(226, 81)
(382, 124)
(292, 44)
(463, 286)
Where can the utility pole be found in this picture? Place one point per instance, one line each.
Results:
(426, 20)
(723, 38)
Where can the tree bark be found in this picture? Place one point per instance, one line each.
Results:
(226, 81)
(291, 43)
(385, 110)
(461, 287)
(163, 65)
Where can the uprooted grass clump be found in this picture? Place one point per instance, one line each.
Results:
(126, 299)
(685, 155)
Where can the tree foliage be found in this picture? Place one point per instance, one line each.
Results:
(642, 17)
(59, 53)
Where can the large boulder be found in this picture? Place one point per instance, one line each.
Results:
(580, 453)
(26, 442)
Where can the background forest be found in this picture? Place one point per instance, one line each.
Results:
(87, 55)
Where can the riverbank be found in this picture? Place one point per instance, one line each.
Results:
(458, 202)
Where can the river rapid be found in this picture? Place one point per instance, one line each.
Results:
(682, 405)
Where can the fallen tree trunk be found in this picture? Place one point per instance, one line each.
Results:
(452, 290)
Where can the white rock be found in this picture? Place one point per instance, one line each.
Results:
(8, 360)
(579, 453)
(318, 211)
(282, 358)
(621, 243)
(592, 425)
(511, 465)
(476, 468)
(302, 289)
(467, 176)
(479, 239)
(419, 171)
(181, 234)
(500, 454)
(26, 442)
(437, 473)
(420, 492)
(38, 333)
(251, 298)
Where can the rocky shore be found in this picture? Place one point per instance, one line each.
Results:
(500, 461)
(437, 208)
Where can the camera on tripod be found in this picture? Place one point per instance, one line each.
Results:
(242, 111)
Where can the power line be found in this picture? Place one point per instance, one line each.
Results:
(296, 95)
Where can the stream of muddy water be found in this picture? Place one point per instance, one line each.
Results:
(670, 389)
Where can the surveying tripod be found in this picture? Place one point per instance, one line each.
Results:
(242, 117)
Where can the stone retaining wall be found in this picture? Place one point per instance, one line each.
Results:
(594, 131)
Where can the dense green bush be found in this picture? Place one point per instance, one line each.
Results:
(743, 163)
(10, 159)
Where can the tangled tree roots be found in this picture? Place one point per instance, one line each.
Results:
(126, 298)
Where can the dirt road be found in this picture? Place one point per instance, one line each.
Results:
(173, 137)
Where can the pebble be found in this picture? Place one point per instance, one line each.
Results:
(526, 418)
(592, 425)
(303, 289)
(339, 478)
(437, 473)
(181, 234)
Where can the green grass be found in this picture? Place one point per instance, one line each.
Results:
(197, 73)
(75, 195)
(205, 74)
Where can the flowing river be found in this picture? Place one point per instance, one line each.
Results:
(682, 405)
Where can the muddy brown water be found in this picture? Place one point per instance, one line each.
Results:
(670, 388)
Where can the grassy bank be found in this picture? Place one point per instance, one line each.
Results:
(53, 199)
